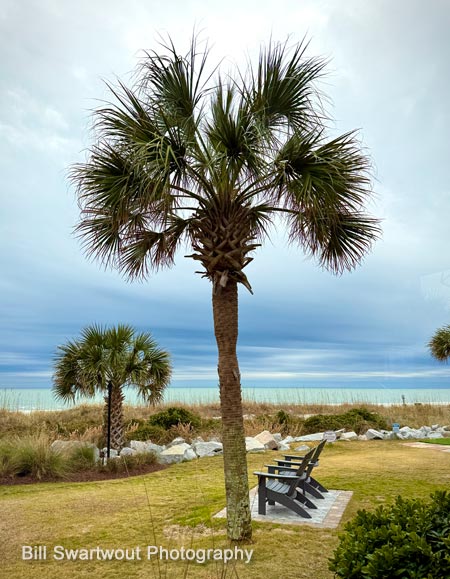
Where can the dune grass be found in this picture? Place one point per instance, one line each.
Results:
(174, 507)
(31, 455)
(83, 422)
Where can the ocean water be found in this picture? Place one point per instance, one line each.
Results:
(28, 399)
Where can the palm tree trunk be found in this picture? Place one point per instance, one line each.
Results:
(117, 435)
(225, 311)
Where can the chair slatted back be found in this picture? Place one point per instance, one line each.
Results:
(315, 457)
(300, 470)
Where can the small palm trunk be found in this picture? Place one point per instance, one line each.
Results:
(117, 436)
(225, 309)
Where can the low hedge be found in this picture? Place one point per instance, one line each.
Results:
(410, 539)
(357, 419)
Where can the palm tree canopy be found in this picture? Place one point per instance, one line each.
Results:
(439, 344)
(116, 356)
(191, 157)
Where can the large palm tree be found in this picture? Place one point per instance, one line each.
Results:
(189, 157)
(439, 344)
(105, 360)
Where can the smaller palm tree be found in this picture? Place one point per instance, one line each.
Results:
(104, 360)
(439, 344)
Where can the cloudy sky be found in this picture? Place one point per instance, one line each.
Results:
(388, 76)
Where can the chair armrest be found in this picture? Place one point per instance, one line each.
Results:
(291, 463)
(280, 467)
(278, 476)
(287, 463)
(294, 456)
(273, 468)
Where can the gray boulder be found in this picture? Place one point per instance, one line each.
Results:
(373, 434)
(177, 453)
(267, 440)
(310, 437)
(282, 446)
(189, 454)
(139, 446)
(127, 451)
(207, 448)
(143, 447)
(176, 442)
(349, 436)
(253, 445)
(278, 437)
(302, 448)
(113, 453)
(407, 433)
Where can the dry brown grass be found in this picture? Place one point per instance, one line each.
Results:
(84, 421)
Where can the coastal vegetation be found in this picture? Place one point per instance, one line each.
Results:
(84, 421)
(33, 458)
(188, 156)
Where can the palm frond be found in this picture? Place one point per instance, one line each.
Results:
(323, 186)
(69, 379)
(232, 136)
(116, 356)
(282, 90)
(165, 168)
(175, 84)
(344, 243)
(146, 250)
(439, 345)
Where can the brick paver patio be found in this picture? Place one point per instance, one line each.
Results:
(327, 515)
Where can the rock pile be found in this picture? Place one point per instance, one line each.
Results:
(407, 433)
(179, 450)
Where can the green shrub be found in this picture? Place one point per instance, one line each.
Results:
(160, 427)
(409, 539)
(156, 434)
(357, 419)
(174, 416)
(282, 417)
(281, 422)
(32, 455)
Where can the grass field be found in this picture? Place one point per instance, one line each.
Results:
(174, 507)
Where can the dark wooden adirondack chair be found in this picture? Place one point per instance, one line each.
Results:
(308, 484)
(283, 489)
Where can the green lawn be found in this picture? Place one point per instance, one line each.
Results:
(174, 507)
(444, 441)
